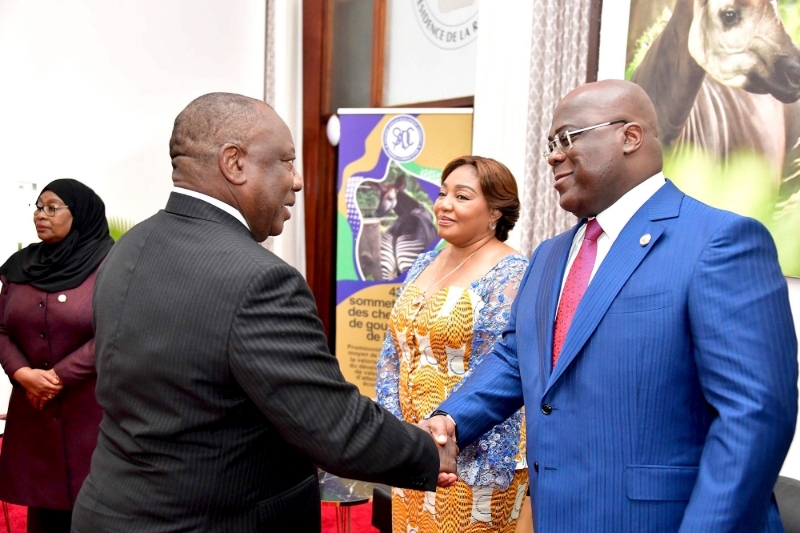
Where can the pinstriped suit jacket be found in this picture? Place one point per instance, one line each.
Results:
(674, 399)
(218, 391)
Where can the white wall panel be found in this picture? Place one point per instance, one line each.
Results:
(501, 85)
(421, 69)
(91, 88)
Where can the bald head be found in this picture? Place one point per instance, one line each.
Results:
(207, 123)
(613, 149)
(623, 99)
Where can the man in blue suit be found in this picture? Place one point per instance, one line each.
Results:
(652, 344)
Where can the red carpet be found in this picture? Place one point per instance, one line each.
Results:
(19, 519)
(360, 517)
(17, 514)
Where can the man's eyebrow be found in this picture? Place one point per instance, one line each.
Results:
(560, 129)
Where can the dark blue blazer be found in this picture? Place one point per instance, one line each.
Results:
(674, 399)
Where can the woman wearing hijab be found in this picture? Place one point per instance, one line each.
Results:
(47, 349)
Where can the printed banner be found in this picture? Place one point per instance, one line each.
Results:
(390, 165)
(725, 80)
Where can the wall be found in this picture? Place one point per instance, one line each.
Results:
(417, 70)
(91, 88)
(288, 102)
(613, 44)
(791, 466)
(501, 85)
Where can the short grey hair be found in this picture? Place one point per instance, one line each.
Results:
(210, 121)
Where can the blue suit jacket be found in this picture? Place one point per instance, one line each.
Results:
(674, 399)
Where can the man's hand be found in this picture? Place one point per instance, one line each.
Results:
(443, 431)
(439, 426)
(447, 463)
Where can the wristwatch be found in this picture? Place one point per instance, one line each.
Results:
(442, 413)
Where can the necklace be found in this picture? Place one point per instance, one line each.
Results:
(419, 298)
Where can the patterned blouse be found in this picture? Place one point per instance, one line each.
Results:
(492, 459)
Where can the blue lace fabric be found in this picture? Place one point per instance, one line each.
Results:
(492, 460)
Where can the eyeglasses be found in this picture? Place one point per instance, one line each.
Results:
(563, 140)
(49, 210)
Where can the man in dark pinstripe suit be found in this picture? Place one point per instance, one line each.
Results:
(220, 396)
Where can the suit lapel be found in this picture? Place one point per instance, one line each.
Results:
(622, 260)
(547, 299)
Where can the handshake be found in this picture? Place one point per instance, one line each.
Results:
(443, 431)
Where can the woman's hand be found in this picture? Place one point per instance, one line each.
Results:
(41, 385)
(35, 401)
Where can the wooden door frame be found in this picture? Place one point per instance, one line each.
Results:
(378, 52)
(319, 162)
(595, 14)
(320, 158)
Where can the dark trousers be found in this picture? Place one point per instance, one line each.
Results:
(41, 520)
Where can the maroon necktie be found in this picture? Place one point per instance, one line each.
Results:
(575, 286)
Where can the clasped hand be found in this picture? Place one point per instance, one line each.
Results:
(41, 386)
(443, 431)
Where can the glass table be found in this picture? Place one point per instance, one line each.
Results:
(343, 494)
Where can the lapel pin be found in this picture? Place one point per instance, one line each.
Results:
(644, 240)
(62, 298)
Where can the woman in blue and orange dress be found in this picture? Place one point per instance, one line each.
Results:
(450, 311)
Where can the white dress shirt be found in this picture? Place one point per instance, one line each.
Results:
(613, 220)
(232, 211)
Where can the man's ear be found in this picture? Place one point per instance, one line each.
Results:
(634, 135)
(230, 160)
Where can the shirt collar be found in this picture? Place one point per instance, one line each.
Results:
(615, 217)
(215, 202)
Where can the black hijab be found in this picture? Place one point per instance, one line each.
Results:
(65, 264)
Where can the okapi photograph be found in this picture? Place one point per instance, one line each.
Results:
(724, 76)
(397, 226)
